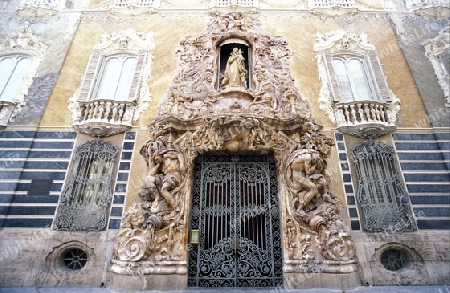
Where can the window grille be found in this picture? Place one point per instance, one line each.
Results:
(380, 193)
(87, 192)
(12, 72)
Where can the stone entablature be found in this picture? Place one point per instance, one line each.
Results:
(106, 117)
(23, 43)
(362, 118)
(267, 115)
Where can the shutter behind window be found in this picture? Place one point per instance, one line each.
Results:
(134, 90)
(89, 77)
(379, 76)
(334, 88)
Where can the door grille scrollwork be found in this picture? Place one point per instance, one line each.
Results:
(235, 207)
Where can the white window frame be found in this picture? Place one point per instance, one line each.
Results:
(102, 71)
(433, 49)
(126, 42)
(23, 43)
(368, 75)
(12, 74)
(341, 43)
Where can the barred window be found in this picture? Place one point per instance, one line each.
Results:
(87, 192)
(13, 70)
(381, 194)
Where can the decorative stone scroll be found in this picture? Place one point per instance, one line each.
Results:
(197, 117)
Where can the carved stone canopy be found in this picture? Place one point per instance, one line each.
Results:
(199, 117)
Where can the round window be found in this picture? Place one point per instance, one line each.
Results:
(393, 259)
(75, 259)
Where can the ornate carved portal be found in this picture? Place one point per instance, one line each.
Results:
(267, 116)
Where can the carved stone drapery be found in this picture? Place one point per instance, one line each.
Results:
(196, 117)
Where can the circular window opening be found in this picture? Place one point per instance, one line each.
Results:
(393, 259)
(75, 259)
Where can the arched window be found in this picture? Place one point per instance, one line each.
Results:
(234, 64)
(13, 70)
(116, 78)
(381, 193)
(354, 79)
(87, 192)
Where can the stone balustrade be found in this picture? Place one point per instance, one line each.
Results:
(43, 3)
(137, 3)
(331, 3)
(364, 118)
(104, 117)
(417, 4)
(242, 3)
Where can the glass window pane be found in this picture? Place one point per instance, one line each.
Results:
(109, 79)
(126, 78)
(12, 87)
(359, 79)
(343, 80)
(7, 65)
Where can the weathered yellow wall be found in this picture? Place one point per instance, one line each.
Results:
(167, 34)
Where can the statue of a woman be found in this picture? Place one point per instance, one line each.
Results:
(235, 72)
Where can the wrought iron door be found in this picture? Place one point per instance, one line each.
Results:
(235, 208)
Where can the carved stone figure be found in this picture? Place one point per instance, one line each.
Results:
(235, 72)
(269, 116)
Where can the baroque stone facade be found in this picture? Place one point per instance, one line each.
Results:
(358, 189)
(197, 118)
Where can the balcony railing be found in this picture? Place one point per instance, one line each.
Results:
(137, 3)
(43, 3)
(365, 118)
(417, 4)
(104, 117)
(242, 3)
(331, 3)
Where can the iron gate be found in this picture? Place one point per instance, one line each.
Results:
(235, 208)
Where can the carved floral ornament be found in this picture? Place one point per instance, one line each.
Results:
(22, 43)
(198, 117)
(363, 118)
(109, 116)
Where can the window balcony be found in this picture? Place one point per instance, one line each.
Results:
(101, 118)
(365, 118)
